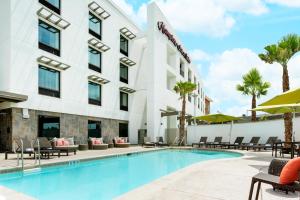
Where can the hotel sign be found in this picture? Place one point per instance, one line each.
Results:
(161, 27)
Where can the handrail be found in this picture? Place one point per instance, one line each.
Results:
(22, 153)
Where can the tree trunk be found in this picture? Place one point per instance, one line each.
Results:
(182, 121)
(288, 123)
(253, 118)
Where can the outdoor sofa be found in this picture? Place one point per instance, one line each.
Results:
(121, 142)
(97, 144)
(148, 143)
(65, 145)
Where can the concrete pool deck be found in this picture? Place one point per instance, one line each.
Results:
(223, 179)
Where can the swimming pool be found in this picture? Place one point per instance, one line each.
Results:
(104, 178)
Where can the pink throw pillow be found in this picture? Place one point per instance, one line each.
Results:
(60, 142)
(66, 143)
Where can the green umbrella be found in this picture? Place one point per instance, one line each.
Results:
(289, 97)
(218, 118)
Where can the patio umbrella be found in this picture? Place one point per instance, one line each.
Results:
(289, 97)
(218, 118)
(281, 109)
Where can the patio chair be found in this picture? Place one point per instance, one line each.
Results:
(267, 145)
(238, 141)
(121, 142)
(217, 141)
(97, 144)
(253, 141)
(148, 143)
(202, 142)
(17, 148)
(272, 178)
(160, 141)
(46, 148)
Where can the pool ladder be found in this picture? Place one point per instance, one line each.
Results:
(36, 154)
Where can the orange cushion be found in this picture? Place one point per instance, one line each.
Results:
(66, 143)
(290, 172)
(60, 142)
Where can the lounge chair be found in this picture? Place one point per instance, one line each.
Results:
(238, 141)
(217, 141)
(160, 141)
(202, 142)
(46, 148)
(121, 142)
(65, 145)
(272, 178)
(148, 142)
(17, 148)
(267, 145)
(254, 141)
(97, 144)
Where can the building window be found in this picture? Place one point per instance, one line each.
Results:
(181, 67)
(49, 38)
(95, 59)
(189, 76)
(190, 98)
(95, 26)
(48, 127)
(123, 73)
(198, 88)
(199, 103)
(94, 94)
(94, 129)
(123, 45)
(123, 101)
(52, 4)
(123, 130)
(49, 82)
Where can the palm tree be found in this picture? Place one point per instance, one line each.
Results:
(184, 89)
(253, 85)
(281, 53)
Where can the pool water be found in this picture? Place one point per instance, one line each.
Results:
(105, 178)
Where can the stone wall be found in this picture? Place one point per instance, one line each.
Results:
(70, 125)
(5, 130)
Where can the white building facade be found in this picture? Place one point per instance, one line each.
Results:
(84, 69)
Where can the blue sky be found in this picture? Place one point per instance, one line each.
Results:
(224, 38)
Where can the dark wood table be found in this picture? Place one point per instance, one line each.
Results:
(282, 144)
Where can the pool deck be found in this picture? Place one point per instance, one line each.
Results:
(224, 179)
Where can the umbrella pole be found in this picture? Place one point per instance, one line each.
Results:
(294, 120)
(231, 124)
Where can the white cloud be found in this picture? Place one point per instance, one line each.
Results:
(206, 17)
(226, 70)
(289, 3)
(199, 55)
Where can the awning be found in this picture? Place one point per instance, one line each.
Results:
(12, 97)
(98, 10)
(49, 62)
(127, 61)
(97, 44)
(127, 90)
(126, 32)
(52, 18)
(98, 79)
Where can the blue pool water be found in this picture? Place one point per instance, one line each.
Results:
(104, 178)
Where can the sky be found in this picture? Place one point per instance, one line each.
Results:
(224, 37)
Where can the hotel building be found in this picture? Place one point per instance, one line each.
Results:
(84, 69)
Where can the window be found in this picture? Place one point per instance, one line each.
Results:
(94, 94)
(95, 26)
(181, 66)
(123, 130)
(123, 73)
(198, 88)
(94, 60)
(189, 76)
(123, 45)
(49, 127)
(49, 38)
(123, 101)
(49, 82)
(199, 103)
(52, 4)
(190, 98)
(94, 129)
